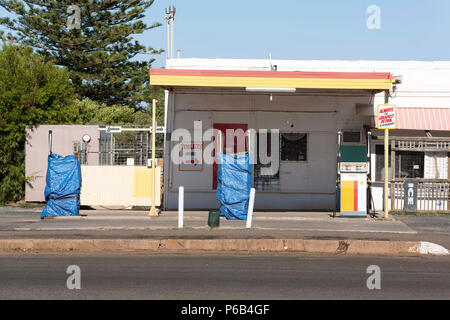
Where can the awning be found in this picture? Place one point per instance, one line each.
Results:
(432, 119)
(271, 79)
(424, 119)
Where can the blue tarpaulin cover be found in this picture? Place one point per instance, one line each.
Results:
(234, 184)
(62, 192)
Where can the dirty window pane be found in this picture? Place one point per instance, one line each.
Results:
(265, 182)
(352, 136)
(294, 146)
(379, 162)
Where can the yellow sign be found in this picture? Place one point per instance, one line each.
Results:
(387, 116)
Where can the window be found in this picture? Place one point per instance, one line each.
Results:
(379, 162)
(264, 182)
(352, 136)
(294, 146)
(407, 164)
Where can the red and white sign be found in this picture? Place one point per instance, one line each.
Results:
(387, 116)
(191, 156)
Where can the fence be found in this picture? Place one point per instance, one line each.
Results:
(432, 195)
(119, 149)
(123, 186)
(115, 172)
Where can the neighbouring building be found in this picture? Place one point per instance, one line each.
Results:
(115, 166)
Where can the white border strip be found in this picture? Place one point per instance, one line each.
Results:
(429, 248)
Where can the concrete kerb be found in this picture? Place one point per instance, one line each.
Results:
(351, 247)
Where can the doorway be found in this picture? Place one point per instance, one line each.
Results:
(230, 131)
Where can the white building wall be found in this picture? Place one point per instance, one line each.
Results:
(303, 185)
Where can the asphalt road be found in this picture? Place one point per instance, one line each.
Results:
(225, 277)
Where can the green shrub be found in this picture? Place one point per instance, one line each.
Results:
(33, 91)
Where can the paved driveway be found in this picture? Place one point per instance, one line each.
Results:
(138, 220)
(427, 224)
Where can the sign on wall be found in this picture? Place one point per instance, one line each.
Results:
(159, 129)
(387, 116)
(410, 199)
(191, 154)
(113, 129)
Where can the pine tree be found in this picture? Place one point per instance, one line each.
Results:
(93, 39)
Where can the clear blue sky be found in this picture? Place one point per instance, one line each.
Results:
(298, 29)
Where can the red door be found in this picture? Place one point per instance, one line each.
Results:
(228, 129)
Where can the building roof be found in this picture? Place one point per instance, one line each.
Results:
(270, 79)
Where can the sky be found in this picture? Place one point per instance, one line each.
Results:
(298, 29)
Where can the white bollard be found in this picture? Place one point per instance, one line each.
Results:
(180, 207)
(250, 208)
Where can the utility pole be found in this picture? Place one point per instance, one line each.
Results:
(170, 17)
(168, 37)
(173, 28)
(386, 164)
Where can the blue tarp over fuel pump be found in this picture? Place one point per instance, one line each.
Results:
(63, 188)
(234, 184)
(62, 192)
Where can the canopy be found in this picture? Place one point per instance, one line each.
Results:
(271, 79)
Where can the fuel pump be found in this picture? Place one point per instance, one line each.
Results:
(353, 170)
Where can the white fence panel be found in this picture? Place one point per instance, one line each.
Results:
(119, 186)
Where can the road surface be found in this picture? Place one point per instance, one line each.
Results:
(286, 276)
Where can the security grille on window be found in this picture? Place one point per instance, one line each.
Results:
(80, 152)
(408, 164)
(294, 147)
